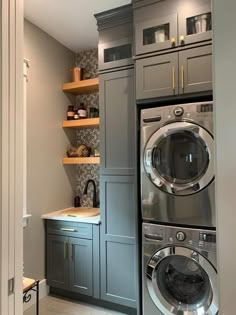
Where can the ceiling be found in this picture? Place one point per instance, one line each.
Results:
(71, 22)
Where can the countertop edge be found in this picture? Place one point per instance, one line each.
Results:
(55, 216)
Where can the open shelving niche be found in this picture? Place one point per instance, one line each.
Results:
(78, 88)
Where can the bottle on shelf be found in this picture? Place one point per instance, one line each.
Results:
(70, 112)
(76, 115)
(77, 202)
(82, 111)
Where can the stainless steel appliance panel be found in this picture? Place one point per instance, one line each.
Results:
(177, 172)
(179, 271)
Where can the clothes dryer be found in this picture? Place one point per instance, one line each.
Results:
(177, 165)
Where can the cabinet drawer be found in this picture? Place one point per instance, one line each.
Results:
(73, 229)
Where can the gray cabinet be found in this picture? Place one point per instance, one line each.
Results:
(57, 264)
(116, 98)
(80, 266)
(156, 34)
(195, 24)
(115, 54)
(161, 25)
(118, 240)
(157, 76)
(195, 70)
(115, 46)
(72, 261)
(187, 71)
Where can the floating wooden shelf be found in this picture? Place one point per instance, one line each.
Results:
(81, 87)
(85, 160)
(81, 123)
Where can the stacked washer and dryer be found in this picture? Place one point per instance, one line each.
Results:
(178, 210)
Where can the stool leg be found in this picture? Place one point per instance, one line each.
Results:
(37, 298)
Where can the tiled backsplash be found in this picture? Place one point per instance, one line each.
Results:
(88, 59)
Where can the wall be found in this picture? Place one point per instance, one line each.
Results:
(50, 184)
(88, 59)
(225, 74)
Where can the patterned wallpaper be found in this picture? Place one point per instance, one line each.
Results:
(88, 59)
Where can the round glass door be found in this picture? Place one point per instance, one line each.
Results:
(178, 158)
(182, 283)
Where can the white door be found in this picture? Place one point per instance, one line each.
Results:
(11, 157)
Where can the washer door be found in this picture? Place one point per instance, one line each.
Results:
(178, 158)
(181, 281)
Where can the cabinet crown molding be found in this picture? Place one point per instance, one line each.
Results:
(114, 17)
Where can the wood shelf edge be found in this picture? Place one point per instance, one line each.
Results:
(81, 123)
(81, 87)
(80, 160)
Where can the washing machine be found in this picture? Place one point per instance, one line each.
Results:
(179, 271)
(177, 165)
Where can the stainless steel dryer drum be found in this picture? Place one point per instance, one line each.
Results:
(179, 271)
(177, 164)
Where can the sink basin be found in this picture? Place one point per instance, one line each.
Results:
(80, 212)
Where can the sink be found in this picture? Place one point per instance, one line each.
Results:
(80, 212)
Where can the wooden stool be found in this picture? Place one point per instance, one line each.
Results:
(31, 285)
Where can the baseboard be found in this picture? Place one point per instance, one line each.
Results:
(43, 291)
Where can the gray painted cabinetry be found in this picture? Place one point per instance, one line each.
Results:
(73, 257)
(118, 203)
(186, 71)
(161, 25)
(118, 182)
(115, 46)
(117, 122)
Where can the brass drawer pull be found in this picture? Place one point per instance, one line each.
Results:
(68, 230)
(173, 77)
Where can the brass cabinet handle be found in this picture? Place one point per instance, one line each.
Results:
(182, 76)
(68, 230)
(173, 77)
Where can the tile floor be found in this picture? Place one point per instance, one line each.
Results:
(55, 306)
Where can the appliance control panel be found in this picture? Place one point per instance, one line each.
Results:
(202, 239)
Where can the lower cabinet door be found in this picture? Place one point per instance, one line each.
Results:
(118, 240)
(195, 70)
(80, 266)
(157, 76)
(57, 262)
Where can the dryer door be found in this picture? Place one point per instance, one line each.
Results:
(182, 281)
(178, 158)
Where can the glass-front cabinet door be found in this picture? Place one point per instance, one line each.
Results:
(115, 54)
(157, 34)
(195, 25)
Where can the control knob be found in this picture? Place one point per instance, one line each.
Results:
(181, 236)
(178, 111)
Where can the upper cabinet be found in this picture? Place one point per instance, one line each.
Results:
(115, 38)
(156, 34)
(169, 24)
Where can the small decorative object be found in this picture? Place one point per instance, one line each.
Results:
(77, 201)
(96, 151)
(86, 76)
(76, 115)
(77, 74)
(93, 112)
(70, 112)
(82, 111)
(80, 151)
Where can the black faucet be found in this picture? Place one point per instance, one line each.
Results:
(95, 204)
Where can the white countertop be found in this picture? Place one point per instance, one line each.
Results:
(57, 215)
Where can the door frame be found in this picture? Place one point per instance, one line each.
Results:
(11, 139)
